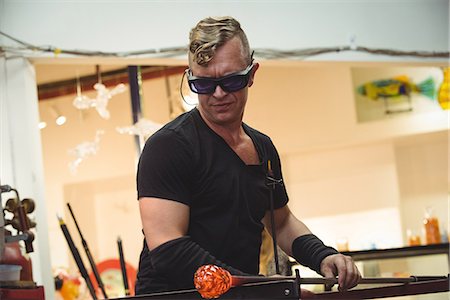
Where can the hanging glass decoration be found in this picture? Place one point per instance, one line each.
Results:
(143, 128)
(103, 95)
(397, 89)
(84, 150)
(101, 101)
(444, 90)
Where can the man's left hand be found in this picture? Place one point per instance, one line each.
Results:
(343, 267)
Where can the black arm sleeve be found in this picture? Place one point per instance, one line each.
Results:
(178, 260)
(309, 251)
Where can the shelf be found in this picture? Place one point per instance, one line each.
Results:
(399, 252)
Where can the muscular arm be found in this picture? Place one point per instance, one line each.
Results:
(288, 228)
(163, 220)
(173, 254)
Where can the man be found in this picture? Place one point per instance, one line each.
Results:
(202, 179)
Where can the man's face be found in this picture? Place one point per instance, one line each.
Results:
(220, 107)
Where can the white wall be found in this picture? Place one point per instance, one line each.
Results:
(335, 189)
(422, 165)
(21, 154)
(318, 102)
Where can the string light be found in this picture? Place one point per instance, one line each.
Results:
(266, 53)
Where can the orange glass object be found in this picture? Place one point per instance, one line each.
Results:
(70, 289)
(414, 240)
(342, 244)
(212, 281)
(432, 233)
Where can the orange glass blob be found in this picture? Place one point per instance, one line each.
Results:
(414, 240)
(212, 281)
(432, 233)
(70, 290)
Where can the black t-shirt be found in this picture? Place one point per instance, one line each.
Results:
(188, 162)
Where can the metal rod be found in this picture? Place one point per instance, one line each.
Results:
(239, 280)
(77, 257)
(89, 255)
(224, 283)
(271, 185)
(123, 267)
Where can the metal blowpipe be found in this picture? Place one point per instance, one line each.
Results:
(77, 257)
(89, 256)
(240, 280)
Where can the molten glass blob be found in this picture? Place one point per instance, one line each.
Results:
(212, 281)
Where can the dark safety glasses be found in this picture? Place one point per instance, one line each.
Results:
(230, 83)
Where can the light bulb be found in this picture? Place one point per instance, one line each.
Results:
(42, 125)
(60, 120)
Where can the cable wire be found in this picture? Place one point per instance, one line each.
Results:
(266, 53)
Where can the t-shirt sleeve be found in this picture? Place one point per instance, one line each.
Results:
(164, 168)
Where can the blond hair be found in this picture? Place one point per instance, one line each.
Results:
(210, 34)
